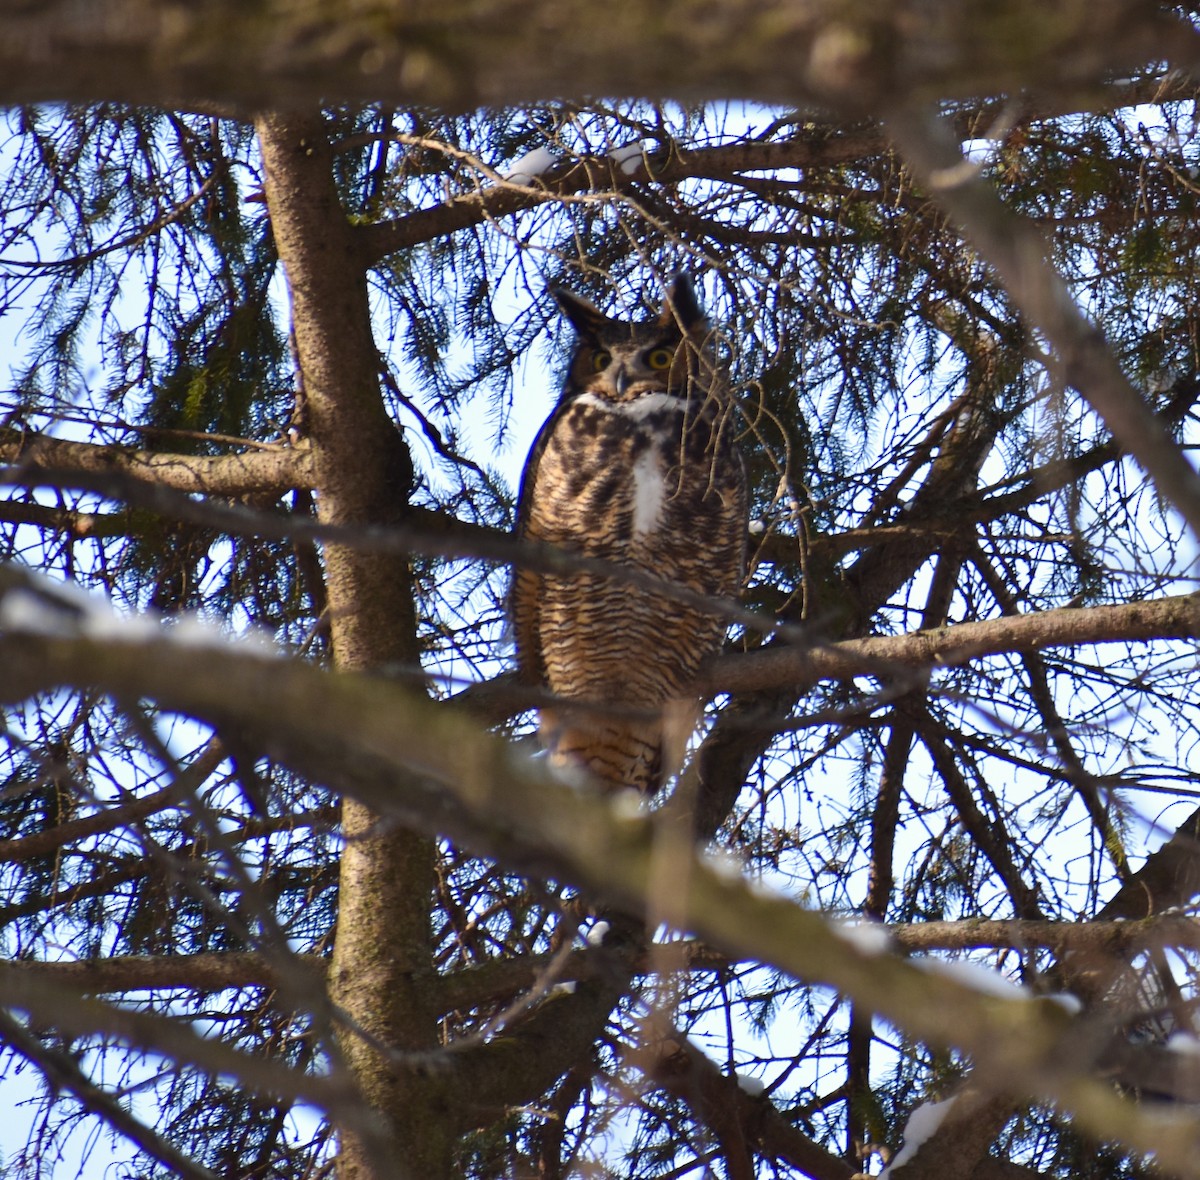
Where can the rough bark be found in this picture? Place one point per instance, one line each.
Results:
(33, 457)
(423, 766)
(464, 53)
(363, 476)
(1176, 617)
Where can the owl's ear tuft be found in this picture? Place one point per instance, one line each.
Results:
(584, 315)
(680, 309)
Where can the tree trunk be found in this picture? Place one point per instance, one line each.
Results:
(364, 473)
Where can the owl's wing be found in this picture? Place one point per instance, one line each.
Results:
(524, 600)
(530, 473)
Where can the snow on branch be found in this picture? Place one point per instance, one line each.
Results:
(852, 58)
(430, 767)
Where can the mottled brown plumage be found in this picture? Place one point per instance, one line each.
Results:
(637, 465)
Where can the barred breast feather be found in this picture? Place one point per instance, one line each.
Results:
(635, 467)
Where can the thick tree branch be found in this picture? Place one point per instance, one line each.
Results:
(1170, 877)
(501, 979)
(466, 53)
(207, 971)
(277, 470)
(1177, 617)
(429, 768)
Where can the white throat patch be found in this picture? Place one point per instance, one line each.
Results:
(637, 408)
(649, 491)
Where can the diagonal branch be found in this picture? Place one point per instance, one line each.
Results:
(430, 768)
(60, 1070)
(1018, 253)
(738, 1118)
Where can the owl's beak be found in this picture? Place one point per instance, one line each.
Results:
(621, 380)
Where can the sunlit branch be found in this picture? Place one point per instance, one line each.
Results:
(1177, 617)
(828, 53)
(405, 757)
(36, 458)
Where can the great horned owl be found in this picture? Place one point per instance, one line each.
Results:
(636, 466)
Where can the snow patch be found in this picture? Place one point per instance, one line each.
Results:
(67, 611)
(1072, 1004)
(975, 976)
(192, 631)
(1184, 1043)
(757, 527)
(724, 864)
(749, 1084)
(761, 887)
(922, 1125)
(571, 774)
(868, 938)
(525, 169)
(31, 614)
(629, 157)
(597, 934)
(107, 626)
(628, 805)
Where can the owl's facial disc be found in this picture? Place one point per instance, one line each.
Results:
(625, 371)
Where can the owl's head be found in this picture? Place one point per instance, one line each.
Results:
(620, 359)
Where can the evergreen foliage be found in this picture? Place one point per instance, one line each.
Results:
(914, 466)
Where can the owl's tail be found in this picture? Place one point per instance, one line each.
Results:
(617, 751)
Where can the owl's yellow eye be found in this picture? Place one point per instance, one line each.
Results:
(601, 360)
(660, 358)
